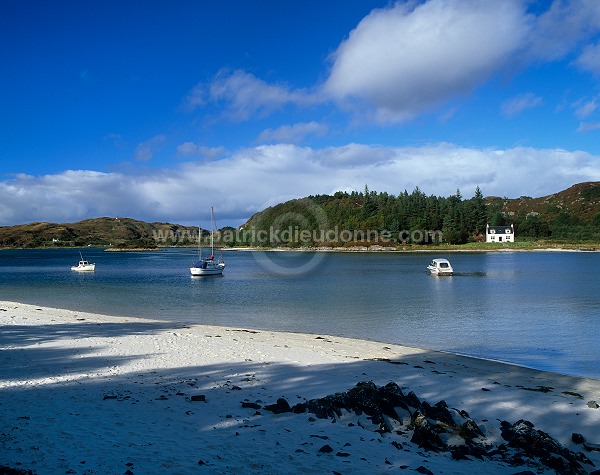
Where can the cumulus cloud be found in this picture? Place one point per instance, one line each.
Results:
(520, 103)
(234, 185)
(244, 95)
(406, 59)
(409, 58)
(294, 134)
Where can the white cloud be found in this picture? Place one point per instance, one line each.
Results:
(295, 133)
(520, 103)
(562, 28)
(190, 149)
(590, 59)
(235, 185)
(407, 59)
(410, 57)
(588, 126)
(244, 95)
(146, 150)
(195, 98)
(586, 108)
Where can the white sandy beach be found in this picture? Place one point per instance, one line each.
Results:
(92, 394)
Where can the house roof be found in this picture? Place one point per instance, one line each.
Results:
(499, 229)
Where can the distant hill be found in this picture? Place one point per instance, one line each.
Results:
(115, 232)
(581, 202)
(572, 214)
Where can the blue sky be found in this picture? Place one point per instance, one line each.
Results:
(159, 110)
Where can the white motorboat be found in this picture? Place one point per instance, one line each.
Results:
(210, 266)
(440, 267)
(84, 266)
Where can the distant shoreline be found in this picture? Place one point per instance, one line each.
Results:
(519, 247)
(377, 249)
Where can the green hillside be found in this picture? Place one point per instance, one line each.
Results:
(109, 232)
(416, 218)
(350, 219)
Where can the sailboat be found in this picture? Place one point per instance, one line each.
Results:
(208, 266)
(84, 266)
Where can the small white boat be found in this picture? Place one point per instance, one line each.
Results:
(84, 266)
(208, 266)
(440, 267)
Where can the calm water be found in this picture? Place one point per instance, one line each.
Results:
(539, 309)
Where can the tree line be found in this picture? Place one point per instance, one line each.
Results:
(459, 220)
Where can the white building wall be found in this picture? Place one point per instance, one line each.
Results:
(494, 235)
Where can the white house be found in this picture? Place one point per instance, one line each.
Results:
(499, 233)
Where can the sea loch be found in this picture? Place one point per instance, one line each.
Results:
(538, 309)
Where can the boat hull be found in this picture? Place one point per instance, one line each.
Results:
(215, 269)
(440, 272)
(84, 268)
(440, 267)
(208, 266)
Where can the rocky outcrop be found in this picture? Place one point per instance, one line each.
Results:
(439, 428)
(279, 407)
(537, 444)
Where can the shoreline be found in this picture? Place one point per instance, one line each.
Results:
(94, 393)
(374, 248)
(382, 249)
(404, 347)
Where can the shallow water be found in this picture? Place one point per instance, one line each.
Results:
(539, 309)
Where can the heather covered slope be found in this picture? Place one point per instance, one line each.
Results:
(103, 231)
(569, 215)
(581, 202)
(572, 214)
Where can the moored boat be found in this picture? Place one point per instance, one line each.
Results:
(440, 267)
(84, 265)
(210, 266)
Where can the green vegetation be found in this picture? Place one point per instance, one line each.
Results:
(117, 233)
(569, 219)
(408, 219)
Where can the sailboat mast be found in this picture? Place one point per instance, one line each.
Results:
(212, 233)
(199, 243)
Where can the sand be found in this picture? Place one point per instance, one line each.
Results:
(83, 393)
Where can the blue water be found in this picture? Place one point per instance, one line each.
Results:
(538, 309)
